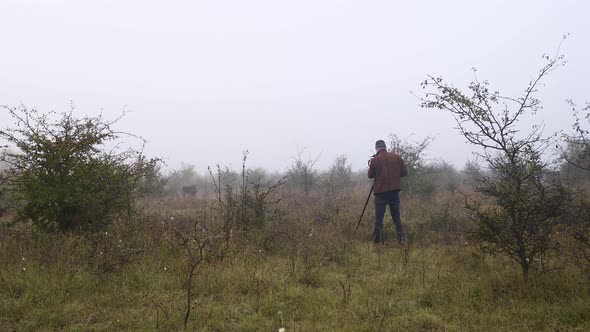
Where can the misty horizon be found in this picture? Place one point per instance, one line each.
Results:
(205, 81)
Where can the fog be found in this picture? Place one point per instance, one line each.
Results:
(205, 80)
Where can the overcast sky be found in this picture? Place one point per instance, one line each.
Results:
(205, 80)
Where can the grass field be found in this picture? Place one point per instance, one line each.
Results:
(308, 272)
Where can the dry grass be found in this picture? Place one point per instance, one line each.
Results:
(304, 271)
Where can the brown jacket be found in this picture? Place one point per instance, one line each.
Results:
(387, 168)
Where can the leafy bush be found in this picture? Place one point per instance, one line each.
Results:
(153, 182)
(61, 174)
(420, 175)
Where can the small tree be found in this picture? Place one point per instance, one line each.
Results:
(339, 175)
(471, 172)
(302, 173)
(413, 155)
(519, 208)
(62, 176)
(445, 176)
(185, 175)
(153, 182)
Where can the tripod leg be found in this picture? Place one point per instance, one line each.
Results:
(364, 208)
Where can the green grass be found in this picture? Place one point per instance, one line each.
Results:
(435, 288)
(302, 273)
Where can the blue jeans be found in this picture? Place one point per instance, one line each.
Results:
(390, 198)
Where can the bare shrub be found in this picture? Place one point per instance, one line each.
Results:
(520, 207)
(247, 208)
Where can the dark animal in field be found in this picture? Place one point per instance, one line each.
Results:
(189, 191)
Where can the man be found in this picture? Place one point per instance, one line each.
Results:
(387, 169)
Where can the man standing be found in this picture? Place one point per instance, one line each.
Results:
(387, 169)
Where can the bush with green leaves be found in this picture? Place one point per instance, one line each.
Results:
(61, 172)
(153, 182)
(420, 179)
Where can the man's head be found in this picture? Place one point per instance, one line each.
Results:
(380, 145)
